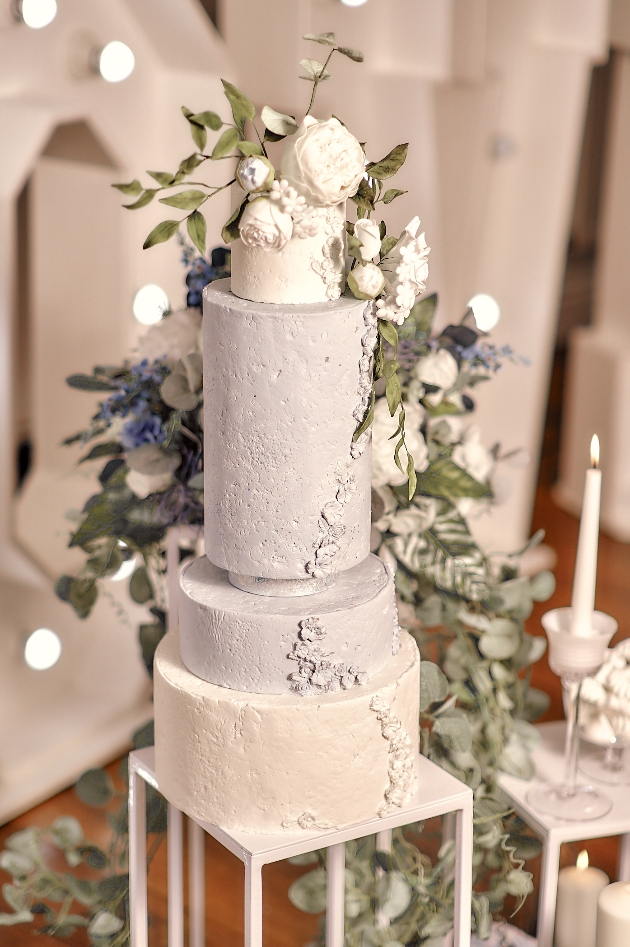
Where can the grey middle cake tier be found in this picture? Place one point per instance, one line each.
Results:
(287, 490)
(332, 640)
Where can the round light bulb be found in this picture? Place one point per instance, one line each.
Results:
(149, 304)
(127, 568)
(485, 310)
(42, 649)
(116, 62)
(353, 3)
(38, 13)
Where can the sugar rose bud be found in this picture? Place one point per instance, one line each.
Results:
(366, 282)
(368, 233)
(255, 173)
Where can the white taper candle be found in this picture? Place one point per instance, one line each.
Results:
(583, 598)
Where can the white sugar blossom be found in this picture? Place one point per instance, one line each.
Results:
(384, 469)
(405, 269)
(366, 282)
(264, 225)
(368, 232)
(437, 368)
(323, 162)
(175, 336)
(254, 173)
(473, 457)
(288, 199)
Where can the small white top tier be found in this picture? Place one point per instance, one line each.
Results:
(305, 270)
(284, 390)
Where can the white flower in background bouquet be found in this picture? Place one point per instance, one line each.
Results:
(176, 335)
(405, 269)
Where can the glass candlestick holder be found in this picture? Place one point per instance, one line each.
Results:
(572, 658)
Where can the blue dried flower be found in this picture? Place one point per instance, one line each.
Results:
(143, 430)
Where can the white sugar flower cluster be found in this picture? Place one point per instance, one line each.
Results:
(305, 223)
(405, 269)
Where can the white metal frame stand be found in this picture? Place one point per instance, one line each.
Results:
(438, 794)
(548, 759)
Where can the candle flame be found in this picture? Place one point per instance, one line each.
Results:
(594, 451)
(582, 861)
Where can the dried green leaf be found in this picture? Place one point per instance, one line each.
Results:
(387, 245)
(185, 200)
(209, 119)
(132, 189)
(389, 332)
(199, 135)
(249, 148)
(390, 164)
(226, 144)
(161, 233)
(433, 684)
(230, 231)
(197, 228)
(326, 39)
(140, 587)
(443, 478)
(277, 122)
(142, 201)
(314, 69)
(90, 383)
(188, 165)
(242, 107)
(355, 54)
(94, 787)
(392, 194)
(104, 450)
(162, 177)
(367, 420)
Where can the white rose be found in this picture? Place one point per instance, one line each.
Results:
(473, 457)
(323, 162)
(151, 469)
(264, 225)
(384, 469)
(437, 368)
(367, 231)
(366, 282)
(255, 173)
(175, 336)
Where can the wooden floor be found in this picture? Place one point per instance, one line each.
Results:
(284, 925)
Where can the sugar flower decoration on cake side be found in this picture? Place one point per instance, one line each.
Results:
(322, 166)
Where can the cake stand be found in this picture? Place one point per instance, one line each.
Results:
(438, 793)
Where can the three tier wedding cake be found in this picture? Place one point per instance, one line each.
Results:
(288, 699)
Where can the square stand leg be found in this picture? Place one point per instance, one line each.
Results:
(438, 794)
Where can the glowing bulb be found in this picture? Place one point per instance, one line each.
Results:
(582, 861)
(126, 569)
(149, 304)
(594, 451)
(38, 13)
(116, 62)
(42, 649)
(485, 310)
(353, 3)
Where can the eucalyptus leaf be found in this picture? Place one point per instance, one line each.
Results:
(314, 69)
(196, 226)
(142, 201)
(501, 641)
(161, 233)
(278, 122)
(209, 119)
(308, 893)
(66, 832)
(242, 107)
(433, 684)
(454, 731)
(131, 190)
(542, 586)
(185, 200)
(162, 177)
(107, 507)
(226, 144)
(390, 164)
(443, 478)
(94, 787)
(354, 54)
(326, 39)
(140, 588)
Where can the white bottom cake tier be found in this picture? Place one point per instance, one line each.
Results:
(266, 763)
(308, 644)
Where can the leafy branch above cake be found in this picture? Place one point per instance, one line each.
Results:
(322, 166)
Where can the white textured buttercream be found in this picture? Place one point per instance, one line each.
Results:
(268, 763)
(284, 498)
(304, 270)
(244, 641)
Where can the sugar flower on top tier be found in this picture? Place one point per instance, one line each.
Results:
(405, 269)
(265, 225)
(323, 162)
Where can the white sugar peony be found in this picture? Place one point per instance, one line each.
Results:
(368, 232)
(384, 469)
(254, 173)
(406, 269)
(172, 338)
(437, 368)
(323, 162)
(366, 282)
(264, 225)
(473, 457)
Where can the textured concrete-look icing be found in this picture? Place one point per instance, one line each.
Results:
(305, 270)
(280, 388)
(264, 763)
(243, 641)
